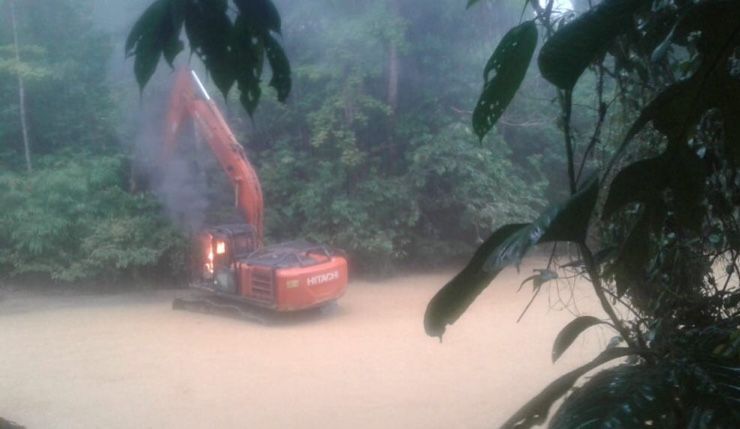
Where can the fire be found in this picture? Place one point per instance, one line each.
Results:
(209, 263)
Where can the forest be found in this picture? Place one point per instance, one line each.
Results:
(373, 152)
(413, 135)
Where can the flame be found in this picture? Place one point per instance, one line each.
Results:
(209, 263)
(220, 247)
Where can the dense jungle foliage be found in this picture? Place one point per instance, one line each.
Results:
(372, 152)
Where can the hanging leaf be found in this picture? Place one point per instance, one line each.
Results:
(280, 68)
(507, 246)
(457, 295)
(503, 75)
(209, 30)
(146, 40)
(570, 332)
(564, 222)
(678, 169)
(536, 410)
(261, 14)
(232, 43)
(624, 396)
(642, 181)
(629, 267)
(571, 49)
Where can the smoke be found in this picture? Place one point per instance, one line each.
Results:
(178, 183)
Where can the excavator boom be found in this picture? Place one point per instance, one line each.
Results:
(191, 100)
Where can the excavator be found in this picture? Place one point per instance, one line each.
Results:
(231, 264)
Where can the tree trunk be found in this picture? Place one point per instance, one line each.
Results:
(394, 71)
(21, 90)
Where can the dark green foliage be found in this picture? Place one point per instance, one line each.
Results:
(535, 411)
(457, 295)
(570, 332)
(507, 246)
(668, 232)
(572, 48)
(233, 48)
(503, 75)
(702, 392)
(73, 220)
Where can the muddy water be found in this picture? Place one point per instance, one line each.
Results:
(128, 361)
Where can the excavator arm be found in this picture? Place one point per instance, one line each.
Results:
(190, 100)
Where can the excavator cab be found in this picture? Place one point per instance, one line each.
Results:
(217, 251)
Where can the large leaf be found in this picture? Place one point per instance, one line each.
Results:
(209, 30)
(674, 393)
(503, 75)
(620, 397)
(507, 246)
(564, 222)
(232, 43)
(536, 410)
(260, 13)
(147, 40)
(457, 295)
(642, 181)
(570, 332)
(280, 67)
(571, 49)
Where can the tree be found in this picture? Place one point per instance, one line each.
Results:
(21, 88)
(665, 221)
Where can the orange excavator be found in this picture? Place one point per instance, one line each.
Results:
(231, 262)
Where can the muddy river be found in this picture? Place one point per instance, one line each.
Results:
(129, 361)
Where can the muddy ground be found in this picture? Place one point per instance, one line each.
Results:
(128, 360)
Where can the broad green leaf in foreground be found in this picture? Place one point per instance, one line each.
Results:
(507, 246)
(503, 75)
(450, 302)
(536, 410)
(233, 43)
(570, 332)
(571, 49)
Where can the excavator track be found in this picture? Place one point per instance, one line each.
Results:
(223, 307)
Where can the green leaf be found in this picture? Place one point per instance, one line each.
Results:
(280, 67)
(570, 332)
(678, 169)
(677, 392)
(642, 181)
(564, 222)
(509, 64)
(506, 246)
(456, 296)
(260, 13)
(624, 396)
(634, 255)
(571, 49)
(536, 410)
(144, 41)
(209, 30)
